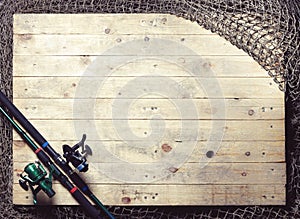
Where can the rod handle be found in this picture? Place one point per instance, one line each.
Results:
(88, 207)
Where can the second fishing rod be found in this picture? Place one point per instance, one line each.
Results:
(57, 158)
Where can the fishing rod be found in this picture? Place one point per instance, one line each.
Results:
(70, 153)
(44, 158)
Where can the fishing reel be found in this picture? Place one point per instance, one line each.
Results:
(34, 175)
(76, 158)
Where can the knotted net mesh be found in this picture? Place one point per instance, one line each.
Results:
(267, 30)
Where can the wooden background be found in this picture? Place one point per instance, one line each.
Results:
(51, 53)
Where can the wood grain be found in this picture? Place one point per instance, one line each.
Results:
(69, 44)
(183, 87)
(106, 129)
(228, 152)
(189, 174)
(206, 195)
(72, 78)
(235, 109)
(74, 66)
(105, 24)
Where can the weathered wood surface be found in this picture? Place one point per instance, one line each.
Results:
(96, 45)
(193, 173)
(252, 130)
(108, 24)
(229, 151)
(236, 109)
(67, 66)
(65, 87)
(52, 54)
(169, 195)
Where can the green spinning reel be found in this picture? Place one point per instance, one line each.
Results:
(34, 175)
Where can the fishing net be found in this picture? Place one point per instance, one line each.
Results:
(267, 30)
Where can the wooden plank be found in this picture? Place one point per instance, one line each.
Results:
(25, 44)
(246, 109)
(182, 87)
(105, 24)
(229, 151)
(273, 130)
(206, 195)
(74, 66)
(187, 174)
